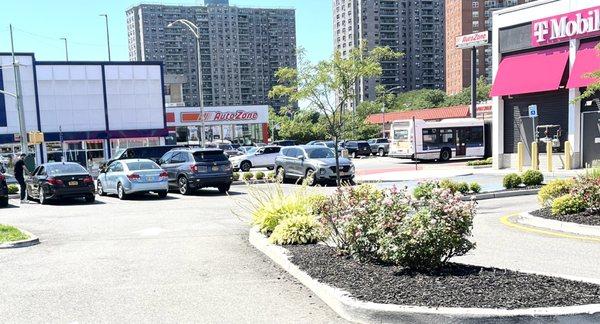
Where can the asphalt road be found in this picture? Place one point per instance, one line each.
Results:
(187, 259)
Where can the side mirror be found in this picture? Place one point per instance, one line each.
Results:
(300, 157)
(160, 162)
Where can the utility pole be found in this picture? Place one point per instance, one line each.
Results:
(474, 82)
(19, 96)
(66, 48)
(107, 35)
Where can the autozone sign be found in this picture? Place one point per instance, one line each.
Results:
(473, 40)
(225, 115)
(561, 28)
(219, 116)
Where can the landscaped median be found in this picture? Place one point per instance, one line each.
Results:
(384, 256)
(12, 237)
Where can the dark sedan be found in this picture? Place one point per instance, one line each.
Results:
(60, 180)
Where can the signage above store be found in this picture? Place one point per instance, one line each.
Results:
(473, 40)
(225, 115)
(561, 28)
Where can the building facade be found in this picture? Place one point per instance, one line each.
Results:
(542, 54)
(465, 17)
(241, 49)
(415, 28)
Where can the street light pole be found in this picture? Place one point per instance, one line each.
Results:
(196, 31)
(19, 96)
(66, 48)
(107, 35)
(383, 109)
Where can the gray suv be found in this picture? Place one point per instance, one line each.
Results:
(193, 169)
(314, 163)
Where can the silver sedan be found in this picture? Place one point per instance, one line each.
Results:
(132, 176)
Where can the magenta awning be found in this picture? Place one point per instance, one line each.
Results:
(530, 72)
(586, 61)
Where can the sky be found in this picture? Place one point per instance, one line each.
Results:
(39, 24)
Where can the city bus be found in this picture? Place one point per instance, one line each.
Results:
(437, 140)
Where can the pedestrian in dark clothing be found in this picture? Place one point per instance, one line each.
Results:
(19, 173)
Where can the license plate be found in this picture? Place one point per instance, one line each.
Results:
(342, 173)
(73, 183)
(215, 168)
(149, 178)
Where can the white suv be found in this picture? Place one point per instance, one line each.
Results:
(262, 157)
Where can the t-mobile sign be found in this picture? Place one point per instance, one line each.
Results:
(561, 28)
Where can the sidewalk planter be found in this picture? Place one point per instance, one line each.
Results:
(29, 241)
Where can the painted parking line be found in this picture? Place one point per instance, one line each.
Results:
(506, 221)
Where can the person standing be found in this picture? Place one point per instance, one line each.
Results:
(19, 173)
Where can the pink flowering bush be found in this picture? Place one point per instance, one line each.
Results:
(389, 225)
(587, 188)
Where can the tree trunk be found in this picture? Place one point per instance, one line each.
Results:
(337, 161)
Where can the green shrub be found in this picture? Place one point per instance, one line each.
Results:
(270, 176)
(511, 180)
(259, 175)
(487, 161)
(475, 187)
(532, 178)
(424, 189)
(567, 205)
(247, 176)
(463, 188)
(449, 184)
(553, 190)
(296, 229)
(13, 189)
(236, 176)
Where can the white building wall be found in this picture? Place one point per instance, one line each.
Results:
(28, 88)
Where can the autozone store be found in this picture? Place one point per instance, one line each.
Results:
(238, 124)
(542, 51)
(86, 110)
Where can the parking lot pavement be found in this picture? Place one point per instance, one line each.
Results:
(183, 259)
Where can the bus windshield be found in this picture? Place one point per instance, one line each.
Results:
(401, 135)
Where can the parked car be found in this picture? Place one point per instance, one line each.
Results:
(311, 162)
(133, 176)
(261, 157)
(247, 149)
(379, 146)
(228, 150)
(329, 144)
(356, 148)
(60, 180)
(3, 191)
(144, 152)
(191, 169)
(284, 143)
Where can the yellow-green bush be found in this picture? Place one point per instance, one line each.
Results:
(567, 205)
(296, 229)
(554, 189)
(259, 175)
(247, 176)
(13, 189)
(236, 176)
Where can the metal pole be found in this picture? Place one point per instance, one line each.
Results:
(474, 82)
(66, 48)
(383, 119)
(200, 94)
(19, 97)
(415, 143)
(107, 35)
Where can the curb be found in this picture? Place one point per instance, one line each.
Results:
(367, 312)
(32, 240)
(526, 219)
(502, 194)
(419, 179)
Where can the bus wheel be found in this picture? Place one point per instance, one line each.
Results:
(445, 155)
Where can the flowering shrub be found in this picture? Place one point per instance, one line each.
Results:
(587, 187)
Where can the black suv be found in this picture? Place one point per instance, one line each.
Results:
(191, 169)
(357, 148)
(3, 191)
(153, 153)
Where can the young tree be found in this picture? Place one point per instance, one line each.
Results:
(595, 86)
(329, 86)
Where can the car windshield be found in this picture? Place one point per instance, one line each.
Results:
(330, 144)
(251, 150)
(119, 152)
(142, 165)
(319, 153)
(225, 147)
(209, 156)
(67, 168)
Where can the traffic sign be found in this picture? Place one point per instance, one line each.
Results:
(533, 111)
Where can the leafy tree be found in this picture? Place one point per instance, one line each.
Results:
(328, 86)
(595, 86)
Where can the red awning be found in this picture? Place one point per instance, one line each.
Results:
(586, 61)
(530, 72)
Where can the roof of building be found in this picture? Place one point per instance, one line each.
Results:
(425, 114)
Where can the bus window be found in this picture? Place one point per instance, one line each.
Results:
(430, 139)
(447, 136)
(401, 135)
(476, 136)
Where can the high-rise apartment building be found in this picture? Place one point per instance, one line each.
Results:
(241, 49)
(467, 17)
(415, 28)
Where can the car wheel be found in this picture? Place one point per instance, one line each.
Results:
(380, 152)
(310, 178)
(42, 198)
(445, 155)
(100, 189)
(224, 188)
(184, 186)
(162, 194)
(245, 166)
(280, 175)
(121, 192)
(90, 198)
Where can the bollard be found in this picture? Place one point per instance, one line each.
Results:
(549, 154)
(535, 160)
(568, 155)
(520, 156)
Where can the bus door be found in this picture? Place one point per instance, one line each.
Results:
(462, 137)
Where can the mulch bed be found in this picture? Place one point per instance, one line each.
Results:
(586, 218)
(456, 286)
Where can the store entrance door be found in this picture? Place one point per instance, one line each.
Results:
(590, 145)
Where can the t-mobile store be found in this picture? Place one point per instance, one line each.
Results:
(542, 54)
(242, 125)
(86, 110)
